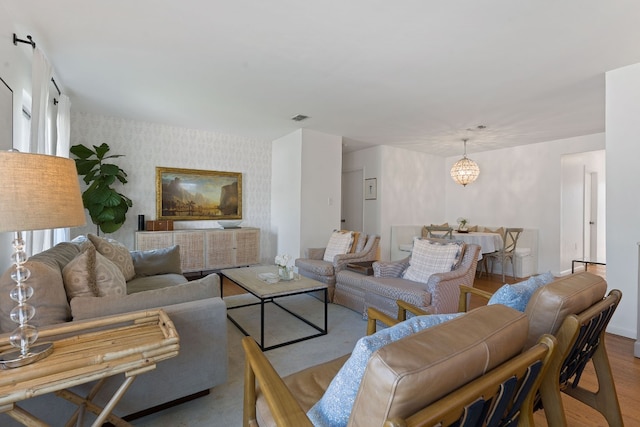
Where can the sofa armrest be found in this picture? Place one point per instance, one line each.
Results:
(315, 253)
(390, 268)
(368, 253)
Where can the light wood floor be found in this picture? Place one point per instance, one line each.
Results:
(625, 367)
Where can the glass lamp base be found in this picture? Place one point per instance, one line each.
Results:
(15, 359)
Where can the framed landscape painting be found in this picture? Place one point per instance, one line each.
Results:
(189, 194)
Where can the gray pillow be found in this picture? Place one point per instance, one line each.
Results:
(157, 261)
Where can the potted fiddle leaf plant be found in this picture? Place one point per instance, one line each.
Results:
(107, 207)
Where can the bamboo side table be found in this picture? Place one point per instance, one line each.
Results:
(90, 350)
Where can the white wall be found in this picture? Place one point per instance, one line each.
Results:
(623, 203)
(321, 187)
(306, 190)
(410, 189)
(15, 70)
(519, 187)
(369, 160)
(286, 190)
(148, 145)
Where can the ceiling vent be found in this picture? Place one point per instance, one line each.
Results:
(299, 118)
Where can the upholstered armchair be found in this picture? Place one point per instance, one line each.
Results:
(399, 378)
(315, 265)
(438, 294)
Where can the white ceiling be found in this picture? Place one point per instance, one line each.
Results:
(412, 73)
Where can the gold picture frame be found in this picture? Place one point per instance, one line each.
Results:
(191, 194)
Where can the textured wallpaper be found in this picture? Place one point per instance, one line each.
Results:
(147, 145)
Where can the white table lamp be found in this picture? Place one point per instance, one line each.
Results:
(37, 192)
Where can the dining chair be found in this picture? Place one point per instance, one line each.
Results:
(439, 232)
(508, 251)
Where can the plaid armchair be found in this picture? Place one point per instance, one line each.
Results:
(315, 267)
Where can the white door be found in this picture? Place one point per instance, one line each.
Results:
(591, 215)
(352, 200)
(593, 221)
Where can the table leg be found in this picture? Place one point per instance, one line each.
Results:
(113, 401)
(262, 324)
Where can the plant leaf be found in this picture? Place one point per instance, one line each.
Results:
(81, 151)
(101, 150)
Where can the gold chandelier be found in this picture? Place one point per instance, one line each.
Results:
(465, 170)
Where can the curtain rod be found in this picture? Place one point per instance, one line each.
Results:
(30, 41)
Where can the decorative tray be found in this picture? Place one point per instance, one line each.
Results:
(269, 277)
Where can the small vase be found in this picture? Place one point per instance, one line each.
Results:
(284, 273)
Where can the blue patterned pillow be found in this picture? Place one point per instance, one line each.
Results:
(517, 296)
(334, 408)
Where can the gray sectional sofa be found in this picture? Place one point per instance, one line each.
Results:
(195, 307)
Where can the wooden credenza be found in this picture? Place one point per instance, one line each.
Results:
(206, 249)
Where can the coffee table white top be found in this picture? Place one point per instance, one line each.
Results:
(247, 277)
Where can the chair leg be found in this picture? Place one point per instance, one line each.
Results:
(605, 400)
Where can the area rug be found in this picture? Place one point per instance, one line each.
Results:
(223, 407)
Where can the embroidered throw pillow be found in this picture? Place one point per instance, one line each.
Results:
(92, 274)
(115, 252)
(429, 257)
(334, 408)
(339, 243)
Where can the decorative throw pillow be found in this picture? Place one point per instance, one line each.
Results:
(91, 274)
(157, 261)
(339, 243)
(429, 257)
(79, 275)
(517, 296)
(334, 408)
(115, 252)
(499, 231)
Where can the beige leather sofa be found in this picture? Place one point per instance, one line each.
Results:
(402, 378)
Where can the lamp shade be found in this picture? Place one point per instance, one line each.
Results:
(38, 192)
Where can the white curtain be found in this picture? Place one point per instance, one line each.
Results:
(41, 140)
(41, 74)
(63, 143)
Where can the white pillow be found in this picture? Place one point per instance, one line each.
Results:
(339, 243)
(430, 257)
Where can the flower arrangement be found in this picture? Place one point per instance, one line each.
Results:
(462, 223)
(283, 260)
(284, 270)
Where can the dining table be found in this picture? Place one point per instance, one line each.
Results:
(488, 242)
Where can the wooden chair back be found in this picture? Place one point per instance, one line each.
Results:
(510, 239)
(501, 397)
(439, 232)
(580, 340)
